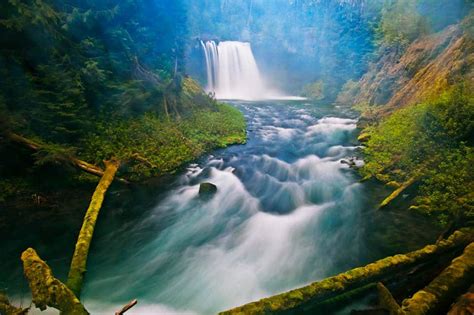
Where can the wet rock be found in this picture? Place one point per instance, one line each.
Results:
(207, 190)
(350, 161)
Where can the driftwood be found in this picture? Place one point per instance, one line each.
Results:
(80, 164)
(397, 192)
(311, 296)
(79, 259)
(126, 307)
(46, 289)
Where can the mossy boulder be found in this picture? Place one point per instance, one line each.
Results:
(207, 190)
(363, 137)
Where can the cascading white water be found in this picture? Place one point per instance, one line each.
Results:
(232, 72)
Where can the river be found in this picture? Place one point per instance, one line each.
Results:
(287, 212)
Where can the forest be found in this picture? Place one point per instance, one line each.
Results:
(237, 157)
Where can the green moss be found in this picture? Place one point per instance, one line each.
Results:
(431, 141)
(164, 144)
(47, 291)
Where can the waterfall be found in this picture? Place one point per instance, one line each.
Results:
(232, 72)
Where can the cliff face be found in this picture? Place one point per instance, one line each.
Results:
(425, 69)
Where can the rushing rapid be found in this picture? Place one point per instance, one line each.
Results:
(284, 214)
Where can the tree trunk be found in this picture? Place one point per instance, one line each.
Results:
(46, 290)
(79, 259)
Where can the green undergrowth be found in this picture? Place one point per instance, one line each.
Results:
(432, 142)
(151, 146)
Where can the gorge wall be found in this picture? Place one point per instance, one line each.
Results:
(426, 68)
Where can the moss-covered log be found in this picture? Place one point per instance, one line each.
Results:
(79, 259)
(385, 269)
(441, 291)
(397, 192)
(8, 309)
(46, 289)
(80, 164)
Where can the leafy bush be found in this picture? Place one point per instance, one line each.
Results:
(154, 145)
(431, 141)
(401, 23)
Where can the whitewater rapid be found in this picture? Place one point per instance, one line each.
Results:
(285, 214)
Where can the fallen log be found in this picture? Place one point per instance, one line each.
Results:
(451, 282)
(80, 164)
(79, 259)
(46, 290)
(397, 192)
(309, 297)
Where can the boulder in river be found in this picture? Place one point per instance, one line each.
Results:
(207, 190)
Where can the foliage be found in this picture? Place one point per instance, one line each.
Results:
(106, 78)
(64, 65)
(348, 92)
(401, 23)
(431, 141)
(314, 91)
(156, 146)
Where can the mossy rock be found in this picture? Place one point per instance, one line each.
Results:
(207, 190)
(363, 137)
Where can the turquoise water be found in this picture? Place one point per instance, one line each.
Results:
(284, 214)
(287, 212)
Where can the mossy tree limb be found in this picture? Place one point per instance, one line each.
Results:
(80, 164)
(79, 259)
(451, 282)
(397, 192)
(383, 269)
(46, 289)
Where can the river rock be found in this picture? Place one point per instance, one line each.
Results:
(207, 190)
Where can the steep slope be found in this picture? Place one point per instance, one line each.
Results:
(425, 69)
